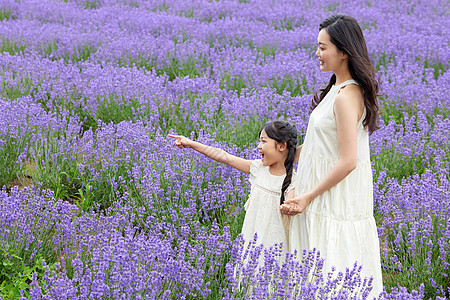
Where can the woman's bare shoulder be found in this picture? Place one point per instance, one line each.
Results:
(350, 97)
(351, 94)
(351, 91)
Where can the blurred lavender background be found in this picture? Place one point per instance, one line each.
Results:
(96, 202)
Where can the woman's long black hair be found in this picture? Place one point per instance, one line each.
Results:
(346, 34)
(283, 132)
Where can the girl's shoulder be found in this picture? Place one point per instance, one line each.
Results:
(256, 170)
(256, 167)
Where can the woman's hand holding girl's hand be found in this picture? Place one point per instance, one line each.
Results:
(294, 206)
(181, 141)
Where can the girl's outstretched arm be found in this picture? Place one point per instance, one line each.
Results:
(213, 153)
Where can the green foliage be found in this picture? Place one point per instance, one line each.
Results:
(109, 109)
(332, 7)
(5, 15)
(233, 83)
(173, 117)
(188, 13)
(285, 24)
(368, 26)
(21, 89)
(242, 132)
(85, 198)
(9, 168)
(114, 110)
(104, 189)
(207, 20)
(18, 263)
(295, 86)
(162, 7)
(139, 62)
(80, 53)
(438, 111)
(56, 172)
(11, 47)
(268, 50)
(400, 166)
(15, 275)
(396, 111)
(49, 47)
(9, 152)
(223, 15)
(133, 4)
(174, 68)
(438, 67)
(383, 60)
(97, 182)
(404, 271)
(177, 68)
(13, 147)
(91, 4)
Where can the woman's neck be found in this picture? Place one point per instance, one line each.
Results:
(342, 75)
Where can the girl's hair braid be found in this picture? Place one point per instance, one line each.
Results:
(283, 132)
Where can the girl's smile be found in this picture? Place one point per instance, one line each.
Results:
(273, 154)
(266, 146)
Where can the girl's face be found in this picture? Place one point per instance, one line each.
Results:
(330, 57)
(271, 151)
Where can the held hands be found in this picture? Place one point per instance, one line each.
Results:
(181, 141)
(294, 206)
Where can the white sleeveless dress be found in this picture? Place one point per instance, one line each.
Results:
(339, 222)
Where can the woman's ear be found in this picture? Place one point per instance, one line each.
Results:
(344, 55)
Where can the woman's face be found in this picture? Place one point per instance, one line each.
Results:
(330, 57)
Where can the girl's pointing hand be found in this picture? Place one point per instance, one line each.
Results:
(181, 141)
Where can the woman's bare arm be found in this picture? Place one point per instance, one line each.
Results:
(347, 111)
(297, 153)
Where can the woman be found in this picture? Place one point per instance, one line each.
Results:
(333, 204)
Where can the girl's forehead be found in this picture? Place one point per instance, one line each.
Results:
(263, 134)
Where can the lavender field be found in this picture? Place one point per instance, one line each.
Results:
(97, 203)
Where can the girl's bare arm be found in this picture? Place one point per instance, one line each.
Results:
(214, 153)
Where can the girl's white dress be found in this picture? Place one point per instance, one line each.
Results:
(339, 222)
(263, 215)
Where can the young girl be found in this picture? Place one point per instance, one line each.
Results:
(270, 179)
(333, 204)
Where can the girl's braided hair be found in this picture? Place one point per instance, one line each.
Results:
(283, 132)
